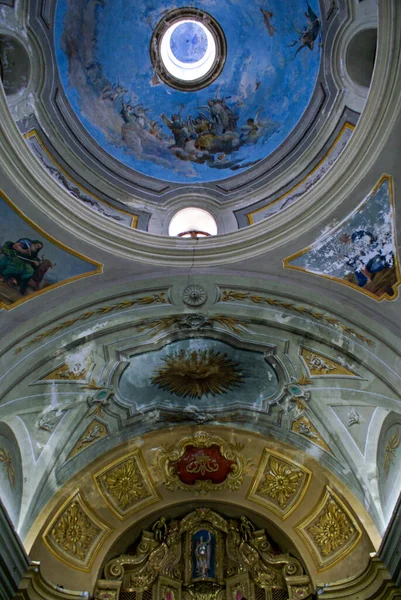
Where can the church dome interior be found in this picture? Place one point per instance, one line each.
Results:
(200, 349)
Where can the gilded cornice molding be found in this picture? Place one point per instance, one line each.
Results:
(358, 158)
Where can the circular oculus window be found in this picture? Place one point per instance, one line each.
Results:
(188, 49)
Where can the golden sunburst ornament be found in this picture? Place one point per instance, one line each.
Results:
(198, 373)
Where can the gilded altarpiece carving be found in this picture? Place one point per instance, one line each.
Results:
(205, 556)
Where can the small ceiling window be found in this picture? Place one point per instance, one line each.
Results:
(188, 49)
(192, 222)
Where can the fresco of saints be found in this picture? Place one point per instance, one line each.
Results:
(20, 264)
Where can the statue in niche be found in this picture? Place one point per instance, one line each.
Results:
(203, 552)
(204, 556)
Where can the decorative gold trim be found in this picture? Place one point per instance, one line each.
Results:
(232, 296)
(102, 310)
(73, 509)
(320, 365)
(133, 472)
(385, 296)
(304, 427)
(163, 467)
(35, 134)
(94, 432)
(254, 212)
(291, 500)
(330, 531)
(57, 243)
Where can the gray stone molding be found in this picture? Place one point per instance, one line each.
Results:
(390, 549)
(13, 559)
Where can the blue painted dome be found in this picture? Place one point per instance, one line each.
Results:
(270, 71)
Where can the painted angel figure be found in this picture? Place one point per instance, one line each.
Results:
(203, 553)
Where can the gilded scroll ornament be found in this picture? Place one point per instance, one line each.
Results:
(279, 483)
(7, 460)
(126, 485)
(330, 531)
(198, 373)
(75, 534)
(201, 464)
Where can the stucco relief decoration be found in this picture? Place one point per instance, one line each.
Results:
(95, 431)
(320, 366)
(159, 298)
(198, 372)
(304, 427)
(201, 464)
(126, 485)
(76, 534)
(238, 296)
(361, 252)
(194, 295)
(330, 531)
(279, 483)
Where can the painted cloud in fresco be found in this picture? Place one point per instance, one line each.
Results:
(30, 261)
(271, 69)
(361, 252)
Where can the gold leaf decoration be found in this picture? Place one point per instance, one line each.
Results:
(95, 431)
(330, 531)
(304, 427)
(279, 484)
(126, 485)
(102, 310)
(320, 366)
(198, 373)
(391, 446)
(182, 466)
(75, 534)
(234, 296)
(7, 460)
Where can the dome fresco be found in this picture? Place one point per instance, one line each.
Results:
(270, 71)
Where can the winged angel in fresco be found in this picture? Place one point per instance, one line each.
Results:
(307, 36)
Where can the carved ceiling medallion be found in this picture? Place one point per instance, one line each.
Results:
(279, 483)
(330, 531)
(201, 464)
(126, 485)
(198, 373)
(76, 534)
